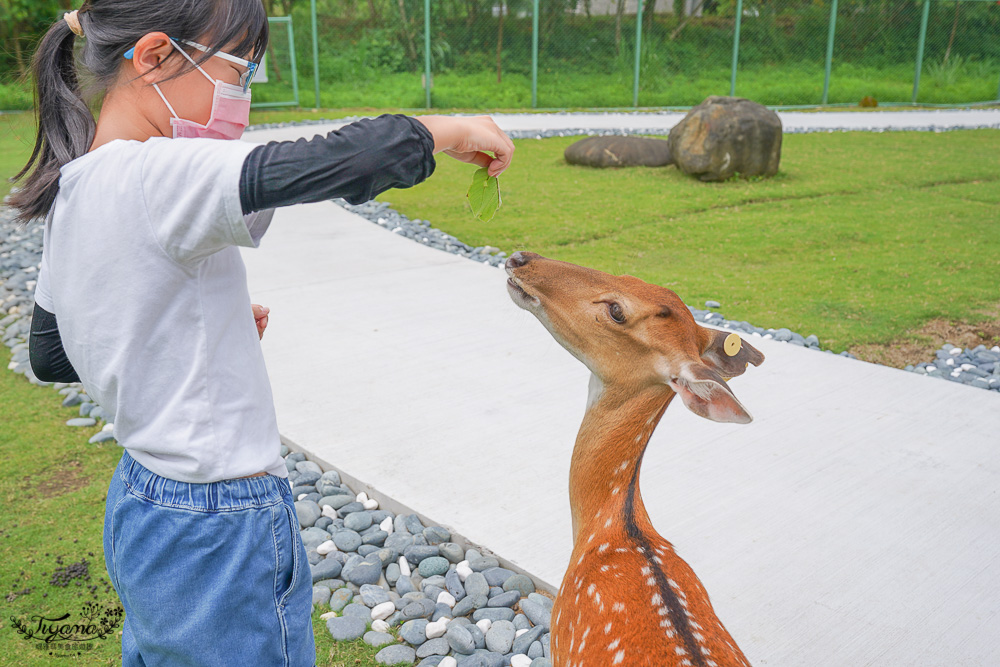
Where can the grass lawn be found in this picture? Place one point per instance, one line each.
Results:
(52, 490)
(860, 238)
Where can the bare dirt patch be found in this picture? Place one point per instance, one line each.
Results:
(62, 479)
(922, 344)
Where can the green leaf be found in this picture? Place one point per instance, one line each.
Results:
(484, 195)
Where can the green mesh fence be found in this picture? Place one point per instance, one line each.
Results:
(487, 54)
(277, 80)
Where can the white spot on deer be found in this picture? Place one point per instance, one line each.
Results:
(656, 599)
(651, 581)
(607, 628)
(645, 569)
(613, 645)
(607, 524)
(591, 589)
(618, 606)
(679, 650)
(615, 490)
(591, 538)
(605, 568)
(604, 547)
(618, 657)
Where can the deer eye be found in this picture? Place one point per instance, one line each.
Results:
(616, 312)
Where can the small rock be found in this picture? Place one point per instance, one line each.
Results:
(307, 512)
(500, 637)
(451, 551)
(521, 583)
(435, 565)
(376, 638)
(340, 599)
(536, 613)
(414, 632)
(382, 611)
(397, 654)
(460, 639)
(81, 421)
(346, 628)
(436, 646)
(436, 629)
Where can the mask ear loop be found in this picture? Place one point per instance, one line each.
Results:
(157, 88)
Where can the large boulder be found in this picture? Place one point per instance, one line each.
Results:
(619, 152)
(723, 136)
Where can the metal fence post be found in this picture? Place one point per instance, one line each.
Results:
(291, 53)
(312, 9)
(920, 48)
(427, 51)
(829, 51)
(638, 51)
(534, 55)
(736, 46)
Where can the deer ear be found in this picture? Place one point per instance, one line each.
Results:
(706, 394)
(727, 353)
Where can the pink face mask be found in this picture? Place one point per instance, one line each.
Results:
(230, 110)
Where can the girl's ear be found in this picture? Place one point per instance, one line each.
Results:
(149, 53)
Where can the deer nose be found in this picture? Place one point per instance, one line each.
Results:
(519, 259)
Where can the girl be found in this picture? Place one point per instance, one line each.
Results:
(144, 211)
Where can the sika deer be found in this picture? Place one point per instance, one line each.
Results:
(627, 598)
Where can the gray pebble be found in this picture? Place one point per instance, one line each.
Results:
(508, 599)
(437, 646)
(346, 628)
(459, 639)
(500, 636)
(475, 584)
(414, 632)
(397, 654)
(536, 613)
(521, 583)
(340, 598)
(307, 512)
(376, 639)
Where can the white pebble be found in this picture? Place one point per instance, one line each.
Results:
(444, 597)
(448, 661)
(370, 504)
(520, 660)
(950, 362)
(302, 495)
(463, 570)
(404, 567)
(484, 625)
(520, 632)
(362, 497)
(380, 626)
(437, 628)
(995, 348)
(931, 369)
(386, 525)
(331, 614)
(967, 367)
(108, 427)
(383, 611)
(955, 351)
(329, 511)
(327, 547)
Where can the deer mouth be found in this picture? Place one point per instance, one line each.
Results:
(519, 295)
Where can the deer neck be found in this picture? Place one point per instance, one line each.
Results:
(608, 452)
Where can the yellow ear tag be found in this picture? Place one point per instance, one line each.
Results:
(733, 344)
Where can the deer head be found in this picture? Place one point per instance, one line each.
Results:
(632, 335)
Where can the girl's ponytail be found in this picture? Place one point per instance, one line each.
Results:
(65, 125)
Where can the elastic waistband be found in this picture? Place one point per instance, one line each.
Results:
(228, 494)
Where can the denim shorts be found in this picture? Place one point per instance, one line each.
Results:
(208, 574)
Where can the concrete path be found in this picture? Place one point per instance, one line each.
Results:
(792, 121)
(856, 521)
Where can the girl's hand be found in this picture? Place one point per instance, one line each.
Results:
(260, 317)
(469, 138)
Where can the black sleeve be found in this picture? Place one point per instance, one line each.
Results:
(45, 349)
(356, 162)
